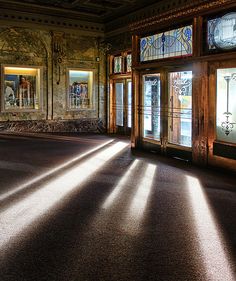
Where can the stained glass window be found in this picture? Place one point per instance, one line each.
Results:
(222, 32)
(173, 43)
(128, 62)
(118, 64)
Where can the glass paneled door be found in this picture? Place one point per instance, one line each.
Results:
(179, 132)
(167, 112)
(122, 106)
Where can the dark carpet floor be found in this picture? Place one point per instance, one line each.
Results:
(89, 209)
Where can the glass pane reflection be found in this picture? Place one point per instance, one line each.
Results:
(21, 88)
(180, 108)
(151, 110)
(119, 88)
(226, 105)
(129, 103)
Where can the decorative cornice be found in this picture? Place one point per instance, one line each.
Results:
(186, 11)
(55, 10)
(26, 19)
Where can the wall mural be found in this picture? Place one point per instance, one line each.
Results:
(44, 94)
(22, 44)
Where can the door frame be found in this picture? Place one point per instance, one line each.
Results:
(163, 146)
(113, 128)
(220, 153)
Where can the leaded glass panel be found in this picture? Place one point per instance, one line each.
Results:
(118, 64)
(222, 32)
(173, 43)
(128, 62)
(226, 105)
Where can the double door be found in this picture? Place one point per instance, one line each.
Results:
(121, 110)
(167, 111)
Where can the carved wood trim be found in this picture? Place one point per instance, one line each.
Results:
(179, 13)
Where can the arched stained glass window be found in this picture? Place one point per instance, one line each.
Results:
(173, 43)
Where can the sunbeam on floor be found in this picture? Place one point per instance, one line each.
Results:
(24, 186)
(213, 248)
(137, 207)
(120, 186)
(22, 214)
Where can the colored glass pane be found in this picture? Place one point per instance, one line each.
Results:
(118, 64)
(173, 43)
(129, 62)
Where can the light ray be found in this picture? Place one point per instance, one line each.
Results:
(138, 205)
(13, 191)
(17, 218)
(120, 186)
(212, 245)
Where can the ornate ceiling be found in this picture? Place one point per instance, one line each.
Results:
(92, 10)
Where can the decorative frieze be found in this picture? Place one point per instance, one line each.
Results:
(23, 44)
(187, 10)
(50, 22)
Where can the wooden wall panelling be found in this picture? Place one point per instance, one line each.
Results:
(136, 99)
(135, 50)
(212, 107)
(197, 36)
(200, 112)
(136, 105)
(111, 124)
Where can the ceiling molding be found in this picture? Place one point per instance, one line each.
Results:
(99, 11)
(24, 19)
